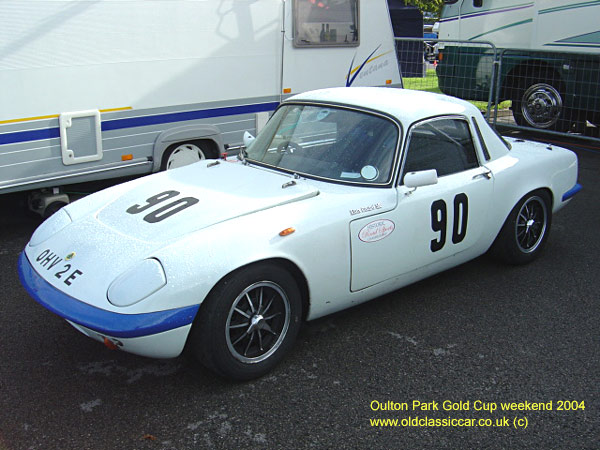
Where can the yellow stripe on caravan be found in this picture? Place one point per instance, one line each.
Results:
(54, 116)
(2, 122)
(124, 108)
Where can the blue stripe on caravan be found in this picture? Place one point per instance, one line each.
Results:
(30, 135)
(119, 124)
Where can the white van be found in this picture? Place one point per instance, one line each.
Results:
(551, 76)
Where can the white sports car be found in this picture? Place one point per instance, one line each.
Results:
(345, 195)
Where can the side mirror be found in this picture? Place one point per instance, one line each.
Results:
(421, 178)
(248, 139)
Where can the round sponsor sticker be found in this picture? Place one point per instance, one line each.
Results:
(376, 230)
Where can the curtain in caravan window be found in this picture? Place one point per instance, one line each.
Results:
(326, 23)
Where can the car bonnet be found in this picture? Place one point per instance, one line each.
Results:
(172, 204)
(99, 246)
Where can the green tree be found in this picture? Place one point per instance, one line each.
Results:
(432, 6)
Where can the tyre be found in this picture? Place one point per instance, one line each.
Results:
(185, 153)
(248, 322)
(526, 229)
(540, 104)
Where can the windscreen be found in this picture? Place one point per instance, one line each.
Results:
(328, 142)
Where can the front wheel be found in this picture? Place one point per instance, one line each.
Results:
(248, 322)
(526, 229)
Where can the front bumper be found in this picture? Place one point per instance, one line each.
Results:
(100, 322)
(168, 344)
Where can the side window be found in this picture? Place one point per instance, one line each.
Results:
(484, 148)
(442, 144)
(326, 23)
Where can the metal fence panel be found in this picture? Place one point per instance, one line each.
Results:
(549, 92)
(464, 69)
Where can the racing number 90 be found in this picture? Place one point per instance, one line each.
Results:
(164, 211)
(439, 221)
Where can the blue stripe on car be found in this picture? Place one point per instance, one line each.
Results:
(104, 322)
(571, 192)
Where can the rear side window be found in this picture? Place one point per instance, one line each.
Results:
(486, 152)
(326, 23)
(443, 144)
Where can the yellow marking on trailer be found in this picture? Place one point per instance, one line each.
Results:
(124, 108)
(55, 116)
(28, 119)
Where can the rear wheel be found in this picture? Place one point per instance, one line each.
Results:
(248, 322)
(526, 229)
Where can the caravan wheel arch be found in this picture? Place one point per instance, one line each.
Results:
(210, 135)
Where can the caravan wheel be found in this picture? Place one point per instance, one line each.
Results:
(185, 153)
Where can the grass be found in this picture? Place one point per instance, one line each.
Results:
(429, 83)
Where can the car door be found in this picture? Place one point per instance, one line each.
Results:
(430, 223)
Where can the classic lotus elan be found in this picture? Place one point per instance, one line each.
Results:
(346, 194)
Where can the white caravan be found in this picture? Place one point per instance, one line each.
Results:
(110, 88)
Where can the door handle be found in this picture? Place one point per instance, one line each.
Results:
(487, 175)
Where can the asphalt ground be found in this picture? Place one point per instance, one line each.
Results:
(483, 333)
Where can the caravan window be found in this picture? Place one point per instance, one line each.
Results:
(326, 23)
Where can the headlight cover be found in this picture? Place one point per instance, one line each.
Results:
(50, 227)
(137, 283)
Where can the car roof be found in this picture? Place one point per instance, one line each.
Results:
(406, 105)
